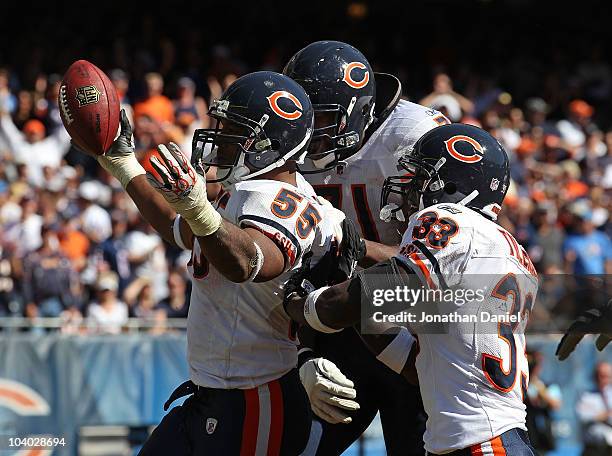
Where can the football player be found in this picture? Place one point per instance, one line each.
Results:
(472, 378)
(361, 127)
(245, 393)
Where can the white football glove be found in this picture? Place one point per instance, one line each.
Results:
(329, 391)
(120, 160)
(184, 189)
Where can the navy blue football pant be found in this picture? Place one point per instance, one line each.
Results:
(514, 442)
(272, 420)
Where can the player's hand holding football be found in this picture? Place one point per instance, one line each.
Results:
(120, 161)
(183, 188)
(331, 394)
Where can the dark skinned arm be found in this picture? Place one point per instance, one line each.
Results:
(230, 249)
(340, 307)
(376, 252)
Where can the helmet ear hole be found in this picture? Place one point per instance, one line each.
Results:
(450, 188)
(275, 144)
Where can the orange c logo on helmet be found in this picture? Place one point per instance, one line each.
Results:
(349, 79)
(473, 158)
(273, 101)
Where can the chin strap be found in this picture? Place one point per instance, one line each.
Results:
(469, 198)
(391, 210)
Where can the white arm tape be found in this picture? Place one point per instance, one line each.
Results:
(395, 354)
(310, 313)
(176, 231)
(256, 263)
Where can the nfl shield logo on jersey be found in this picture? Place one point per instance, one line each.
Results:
(211, 425)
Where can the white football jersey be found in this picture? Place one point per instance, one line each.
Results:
(238, 335)
(357, 190)
(474, 373)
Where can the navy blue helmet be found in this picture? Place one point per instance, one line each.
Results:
(450, 164)
(340, 83)
(263, 120)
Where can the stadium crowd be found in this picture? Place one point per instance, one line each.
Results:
(73, 246)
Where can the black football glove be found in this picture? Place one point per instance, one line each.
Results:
(591, 321)
(352, 250)
(336, 266)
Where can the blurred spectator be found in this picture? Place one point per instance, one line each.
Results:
(146, 254)
(574, 129)
(605, 164)
(108, 314)
(26, 235)
(586, 250)
(573, 186)
(190, 113)
(25, 108)
(446, 100)
(144, 305)
(72, 321)
(31, 147)
(545, 250)
(600, 202)
(114, 249)
(50, 284)
(51, 114)
(155, 105)
(537, 116)
(95, 221)
(541, 401)
(148, 133)
(590, 155)
(9, 298)
(594, 409)
(121, 82)
(176, 305)
(141, 304)
(7, 99)
(73, 243)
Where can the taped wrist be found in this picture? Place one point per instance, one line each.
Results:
(396, 353)
(123, 168)
(310, 313)
(203, 219)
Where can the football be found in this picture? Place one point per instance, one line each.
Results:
(89, 107)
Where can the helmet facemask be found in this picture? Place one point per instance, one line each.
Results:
(234, 147)
(334, 138)
(403, 195)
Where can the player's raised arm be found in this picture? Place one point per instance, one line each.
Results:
(121, 162)
(177, 188)
(240, 254)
